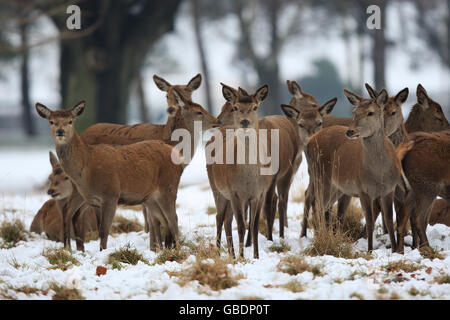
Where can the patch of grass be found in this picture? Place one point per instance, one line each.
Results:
(211, 210)
(12, 233)
(124, 225)
(65, 293)
(60, 258)
(280, 248)
(382, 290)
(443, 279)
(178, 254)
(413, 291)
(293, 286)
(215, 274)
(402, 265)
(351, 224)
(395, 296)
(357, 296)
(125, 255)
(430, 253)
(294, 265)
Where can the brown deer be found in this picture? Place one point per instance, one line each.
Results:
(180, 117)
(299, 97)
(427, 169)
(145, 173)
(358, 160)
(49, 218)
(241, 184)
(440, 212)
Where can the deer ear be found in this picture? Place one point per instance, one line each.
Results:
(402, 96)
(78, 109)
(327, 107)
(228, 93)
(195, 82)
(53, 159)
(422, 96)
(295, 89)
(242, 92)
(162, 84)
(290, 111)
(261, 94)
(372, 92)
(353, 97)
(43, 111)
(382, 98)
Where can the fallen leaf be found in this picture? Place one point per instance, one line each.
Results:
(429, 269)
(100, 271)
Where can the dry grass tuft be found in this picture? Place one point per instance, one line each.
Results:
(280, 248)
(125, 225)
(293, 286)
(294, 265)
(211, 210)
(12, 233)
(443, 279)
(60, 258)
(125, 255)
(403, 265)
(430, 253)
(65, 293)
(351, 224)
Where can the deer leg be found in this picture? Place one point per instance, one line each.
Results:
(108, 210)
(75, 202)
(248, 242)
(269, 210)
(255, 209)
(343, 204)
(228, 229)
(386, 208)
(367, 204)
(167, 205)
(423, 211)
(154, 216)
(222, 205)
(309, 201)
(404, 214)
(238, 212)
(283, 195)
(79, 222)
(146, 222)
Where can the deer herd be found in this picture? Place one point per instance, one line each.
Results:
(375, 156)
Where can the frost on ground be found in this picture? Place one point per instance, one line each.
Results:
(283, 271)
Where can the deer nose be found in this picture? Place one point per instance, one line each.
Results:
(350, 133)
(245, 123)
(60, 132)
(50, 192)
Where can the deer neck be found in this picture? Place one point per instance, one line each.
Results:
(72, 155)
(399, 135)
(375, 155)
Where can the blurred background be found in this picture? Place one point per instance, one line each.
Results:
(323, 45)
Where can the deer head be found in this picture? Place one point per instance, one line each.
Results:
(431, 116)
(61, 122)
(185, 90)
(193, 112)
(368, 116)
(60, 186)
(393, 115)
(244, 107)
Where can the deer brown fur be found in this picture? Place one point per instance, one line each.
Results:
(241, 183)
(49, 218)
(440, 212)
(358, 160)
(427, 169)
(145, 173)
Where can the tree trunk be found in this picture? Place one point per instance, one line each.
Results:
(142, 101)
(27, 119)
(100, 67)
(201, 51)
(379, 49)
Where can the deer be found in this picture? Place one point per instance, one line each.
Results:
(49, 218)
(104, 176)
(440, 213)
(356, 161)
(242, 184)
(182, 114)
(426, 115)
(290, 158)
(426, 166)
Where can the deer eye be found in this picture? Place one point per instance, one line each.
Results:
(51, 122)
(199, 113)
(370, 114)
(234, 109)
(66, 178)
(70, 122)
(255, 108)
(319, 124)
(300, 125)
(393, 113)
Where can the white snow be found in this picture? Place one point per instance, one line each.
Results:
(340, 279)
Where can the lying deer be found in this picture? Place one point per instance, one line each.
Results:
(356, 161)
(146, 173)
(242, 184)
(49, 218)
(427, 169)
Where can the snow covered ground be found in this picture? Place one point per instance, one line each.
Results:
(25, 266)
